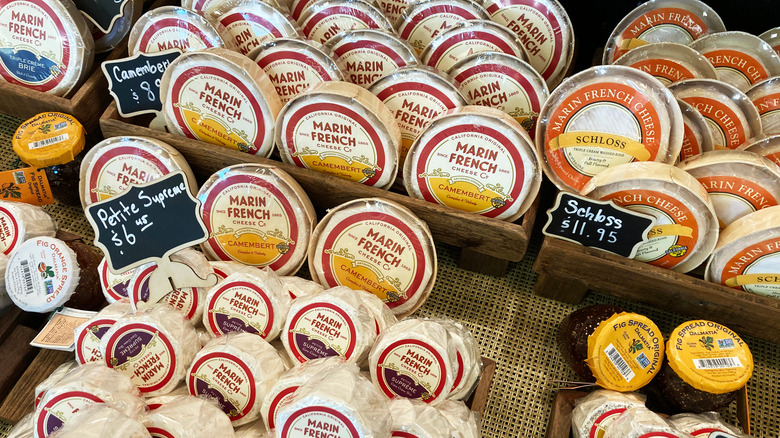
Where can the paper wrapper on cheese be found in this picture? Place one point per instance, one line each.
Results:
(383, 316)
(299, 287)
(462, 420)
(732, 118)
(705, 425)
(281, 393)
(332, 323)
(697, 138)
(594, 414)
(765, 95)
(23, 428)
(85, 385)
(172, 27)
(102, 421)
(325, 19)
(252, 301)
(640, 422)
(339, 398)
(686, 226)
(191, 417)
(115, 163)
(375, 245)
(340, 129)
(156, 401)
(415, 358)
(767, 146)
(417, 419)
(20, 221)
(254, 430)
(669, 62)
(677, 21)
(603, 117)
(205, 7)
(772, 36)
(469, 359)
(88, 335)
(153, 347)
(235, 371)
(257, 215)
(56, 375)
(422, 21)
(475, 159)
(245, 24)
(367, 55)
(288, 361)
(220, 97)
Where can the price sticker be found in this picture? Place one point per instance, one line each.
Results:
(134, 82)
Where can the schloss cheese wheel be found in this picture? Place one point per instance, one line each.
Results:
(697, 138)
(765, 95)
(772, 36)
(423, 21)
(248, 24)
(740, 58)
(367, 55)
(172, 27)
(669, 62)
(325, 19)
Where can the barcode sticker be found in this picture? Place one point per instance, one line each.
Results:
(28, 281)
(48, 141)
(619, 363)
(717, 363)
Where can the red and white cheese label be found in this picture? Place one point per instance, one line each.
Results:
(364, 62)
(665, 70)
(321, 421)
(321, 330)
(326, 23)
(239, 306)
(88, 340)
(755, 269)
(9, 231)
(411, 368)
(225, 379)
(292, 72)
(282, 399)
(143, 353)
(604, 421)
(725, 125)
(662, 24)
(247, 30)
(458, 45)
(115, 286)
(186, 300)
(116, 168)
(57, 411)
(428, 22)
(174, 33)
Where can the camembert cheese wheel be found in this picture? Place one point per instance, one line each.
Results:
(423, 21)
(696, 137)
(325, 19)
(367, 55)
(765, 95)
(740, 58)
(244, 25)
(172, 27)
(669, 62)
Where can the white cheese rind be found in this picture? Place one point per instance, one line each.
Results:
(741, 59)
(87, 336)
(172, 27)
(669, 62)
(418, 419)
(245, 24)
(595, 413)
(765, 95)
(191, 417)
(20, 221)
(102, 421)
(421, 21)
(697, 138)
(368, 55)
(469, 358)
(325, 19)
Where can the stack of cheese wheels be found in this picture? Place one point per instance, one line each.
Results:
(422, 21)
(375, 245)
(740, 58)
(245, 24)
(20, 221)
(686, 227)
(191, 417)
(765, 95)
(461, 418)
(88, 335)
(603, 117)
(594, 413)
(325, 19)
(171, 27)
(697, 138)
(669, 62)
(367, 55)
(475, 159)
(638, 422)
(766, 146)
(418, 419)
(220, 97)
(102, 421)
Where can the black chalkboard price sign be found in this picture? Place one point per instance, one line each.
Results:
(135, 81)
(597, 224)
(103, 13)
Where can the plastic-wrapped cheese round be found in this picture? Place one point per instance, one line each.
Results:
(245, 24)
(254, 430)
(603, 117)
(220, 97)
(741, 59)
(114, 285)
(378, 246)
(686, 227)
(421, 21)
(640, 422)
(88, 335)
(23, 428)
(46, 45)
(325, 19)
(594, 414)
(236, 371)
(384, 318)
(467, 38)
(55, 376)
(772, 36)
(696, 137)
(475, 159)
(115, 163)
(669, 62)
(20, 222)
(340, 129)
(171, 27)
(156, 401)
(705, 425)
(154, 347)
(461, 418)
(191, 417)
(102, 421)
(766, 146)
(765, 95)
(368, 55)
(415, 418)
(257, 215)
(299, 287)
(469, 360)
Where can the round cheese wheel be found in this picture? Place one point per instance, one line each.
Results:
(378, 246)
(766, 146)
(46, 45)
(115, 286)
(765, 95)
(172, 27)
(741, 59)
(368, 55)
(469, 359)
(115, 163)
(299, 287)
(106, 42)
(669, 62)
(772, 36)
(696, 135)
(87, 336)
(191, 417)
(415, 418)
(422, 21)
(20, 222)
(156, 401)
(102, 421)
(340, 129)
(55, 376)
(246, 24)
(384, 318)
(461, 418)
(686, 226)
(675, 21)
(469, 37)
(325, 19)
(222, 98)
(639, 422)
(731, 116)
(545, 30)
(705, 425)
(594, 414)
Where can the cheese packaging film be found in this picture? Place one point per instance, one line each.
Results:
(20, 222)
(191, 417)
(299, 287)
(772, 36)
(469, 360)
(115, 163)
(422, 21)
(765, 95)
(640, 422)
(257, 215)
(738, 182)
(153, 347)
(503, 82)
(461, 418)
(378, 246)
(669, 62)
(766, 146)
(23, 428)
(88, 335)
(740, 58)
(343, 130)
(156, 401)
(45, 45)
(336, 399)
(545, 30)
(114, 285)
(675, 21)
(696, 137)
(415, 418)
(383, 316)
(325, 19)
(747, 256)
(731, 116)
(223, 98)
(244, 24)
(367, 55)
(171, 27)
(55, 376)
(236, 371)
(202, 7)
(102, 421)
(705, 425)
(469, 37)
(475, 159)
(594, 414)
(603, 117)
(254, 430)
(293, 65)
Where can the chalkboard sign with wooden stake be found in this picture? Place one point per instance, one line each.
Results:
(102, 13)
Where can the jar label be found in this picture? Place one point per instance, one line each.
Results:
(293, 72)
(248, 31)
(662, 24)
(225, 379)
(88, 340)
(9, 231)
(173, 33)
(321, 330)
(115, 169)
(737, 65)
(665, 70)
(725, 126)
(734, 197)
(143, 353)
(240, 306)
(57, 411)
(755, 269)
(365, 62)
(420, 29)
(319, 421)
(413, 369)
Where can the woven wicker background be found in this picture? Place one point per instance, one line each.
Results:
(515, 328)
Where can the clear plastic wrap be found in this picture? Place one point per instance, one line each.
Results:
(87, 336)
(704, 425)
(191, 417)
(156, 401)
(465, 423)
(23, 428)
(469, 358)
(765, 95)
(20, 221)
(418, 419)
(772, 36)
(384, 318)
(52, 379)
(102, 421)
(696, 138)
(172, 27)
(741, 59)
(324, 19)
(368, 55)
(638, 422)
(767, 146)
(421, 21)
(254, 430)
(299, 287)
(246, 24)
(594, 414)
(669, 62)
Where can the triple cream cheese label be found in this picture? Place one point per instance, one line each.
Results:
(755, 269)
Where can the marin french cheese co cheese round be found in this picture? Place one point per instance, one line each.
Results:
(367, 55)
(223, 98)
(87, 336)
(294, 66)
(45, 45)
(545, 30)
(594, 414)
(191, 417)
(114, 285)
(415, 418)
(696, 137)
(469, 358)
(669, 62)
(422, 21)
(115, 163)
(171, 27)
(299, 287)
(20, 221)
(475, 159)
(461, 418)
(747, 256)
(469, 37)
(772, 36)
(383, 316)
(708, 424)
(732, 118)
(378, 246)
(257, 215)
(640, 422)
(603, 117)
(245, 24)
(675, 21)
(99, 420)
(686, 226)
(765, 95)
(58, 374)
(340, 129)
(325, 19)
(766, 146)
(738, 182)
